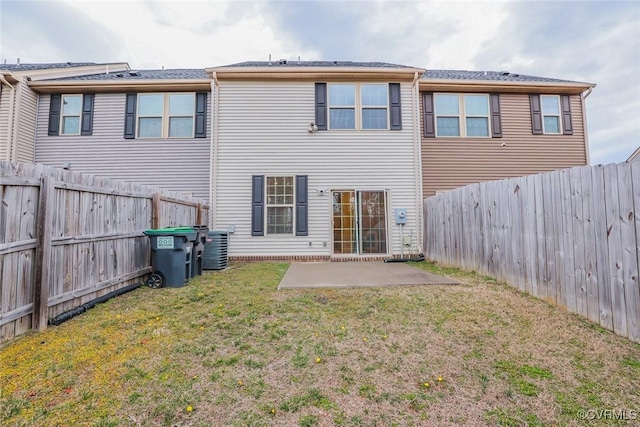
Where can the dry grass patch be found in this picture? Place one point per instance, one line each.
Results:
(231, 350)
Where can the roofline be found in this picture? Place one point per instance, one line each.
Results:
(279, 72)
(483, 85)
(76, 86)
(634, 154)
(80, 70)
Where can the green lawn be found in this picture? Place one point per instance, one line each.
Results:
(231, 350)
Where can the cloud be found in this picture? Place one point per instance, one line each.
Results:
(597, 42)
(40, 31)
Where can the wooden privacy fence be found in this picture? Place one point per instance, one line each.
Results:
(570, 237)
(67, 238)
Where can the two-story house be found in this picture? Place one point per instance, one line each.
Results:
(481, 126)
(19, 103)
(301, 159)
(312, 159)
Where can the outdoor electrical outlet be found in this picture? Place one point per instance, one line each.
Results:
(324, 244)
(406, 240)
(309, 244)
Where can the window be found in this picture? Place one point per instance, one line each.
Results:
(280, 205)
(169, 115)
(464, 115)
(70, 114)
(165, 115)
(362, 106)
(284, 195)
(550, 113)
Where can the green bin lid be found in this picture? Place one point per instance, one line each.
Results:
(174, 231)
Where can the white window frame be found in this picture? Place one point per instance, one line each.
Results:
(291, 205)
(166, 118)
(357, 107)
(462, 116)
(545, 114)
(62, 115)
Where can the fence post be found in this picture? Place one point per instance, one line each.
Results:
(155, 211)
(43, 255)
(199, 214)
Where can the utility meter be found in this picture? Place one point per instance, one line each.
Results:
(401, 215)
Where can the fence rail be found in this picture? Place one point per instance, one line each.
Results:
(67, 238)
(570, 237)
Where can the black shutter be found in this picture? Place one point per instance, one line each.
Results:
(302, 205)
(87, 114)
(536, 114)
(321, 106)
(257, 205)
(428, 115)
(567, 126)
(395, 112)
(496, 120)
(201, 115)
(54, 115)
(130, 116)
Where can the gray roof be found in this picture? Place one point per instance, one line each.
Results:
(43, 66)
(294, 63)
(503, 76)
(170, 74)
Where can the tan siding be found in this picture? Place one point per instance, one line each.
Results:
(25, 123)
(263, 130)
(449, 163)
(5, 101)
(180, 165)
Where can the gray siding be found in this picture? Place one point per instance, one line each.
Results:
(263, 130)
(180, 165)
(5, 99)
(25, 123)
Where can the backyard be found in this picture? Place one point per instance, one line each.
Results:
(231, 350)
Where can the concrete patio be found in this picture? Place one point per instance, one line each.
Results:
(310, 275)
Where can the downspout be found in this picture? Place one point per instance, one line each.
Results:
(418, 163)
(35, 128)
(11, 114)
(213, 179)
(583, 97)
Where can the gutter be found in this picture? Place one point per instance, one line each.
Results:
(213, 179)
(10, 131)
(583, 98)
(115, 85)
(543, 87)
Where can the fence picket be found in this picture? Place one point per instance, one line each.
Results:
(570, 237)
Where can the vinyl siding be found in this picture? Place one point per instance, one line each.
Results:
(180, 165)
(25, 123)
(263, 131)
(449, 163)
(5, 101)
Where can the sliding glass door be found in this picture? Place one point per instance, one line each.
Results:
(359, 222)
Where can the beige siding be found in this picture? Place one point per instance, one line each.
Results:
(180, 165)
(25, 123)
(5, 101)
(263, 131)
(449, 163)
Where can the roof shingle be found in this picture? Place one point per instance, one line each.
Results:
(503, 76)
(287, 63)
(44, 66)
(169, 74)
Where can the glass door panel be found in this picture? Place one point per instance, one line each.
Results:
(359, 222)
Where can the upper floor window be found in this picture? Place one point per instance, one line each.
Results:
(165, 115)
(369, 100)
(169, 115)
(358, 106)
(550, 113)
(70, 114)
(462, 115)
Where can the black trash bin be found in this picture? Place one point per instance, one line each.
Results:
(171, 256)
(198, 250)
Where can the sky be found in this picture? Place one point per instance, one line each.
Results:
(588, 41)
